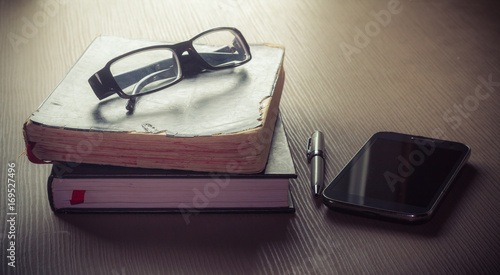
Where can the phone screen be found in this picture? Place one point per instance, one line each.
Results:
(396, 172)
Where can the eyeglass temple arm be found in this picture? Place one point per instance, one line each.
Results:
(132, 77)
(188, 68)
(163, 74)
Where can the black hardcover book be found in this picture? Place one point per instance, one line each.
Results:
(84, 188)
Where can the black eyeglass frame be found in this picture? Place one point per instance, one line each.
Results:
(104, 84)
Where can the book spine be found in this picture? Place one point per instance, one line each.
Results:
(29, 149)
(49, 192)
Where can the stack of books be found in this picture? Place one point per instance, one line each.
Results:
(213, 142)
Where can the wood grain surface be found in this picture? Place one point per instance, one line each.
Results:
(353, 68)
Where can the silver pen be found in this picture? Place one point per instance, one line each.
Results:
(315, 156)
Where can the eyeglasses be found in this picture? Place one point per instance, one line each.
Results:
(151, 69)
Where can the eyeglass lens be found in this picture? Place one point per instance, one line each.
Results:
(146, 71)
(221, 48)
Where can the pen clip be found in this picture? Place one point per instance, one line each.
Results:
(309, 153)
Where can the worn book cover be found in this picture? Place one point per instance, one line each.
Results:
(205, 122)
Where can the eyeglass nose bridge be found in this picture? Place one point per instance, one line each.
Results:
(190, 61)
(188, 67)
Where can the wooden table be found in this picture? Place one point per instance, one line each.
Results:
(352, 68)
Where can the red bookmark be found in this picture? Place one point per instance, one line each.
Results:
(77, 197)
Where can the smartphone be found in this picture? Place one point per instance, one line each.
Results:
(397, 176)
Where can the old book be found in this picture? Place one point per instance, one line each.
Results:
(102, 188)
(213, 121)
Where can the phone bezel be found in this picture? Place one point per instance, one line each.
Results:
(390, 209)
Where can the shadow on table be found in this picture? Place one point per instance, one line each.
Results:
(431, 228)
(165, 242)
(171, 230)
